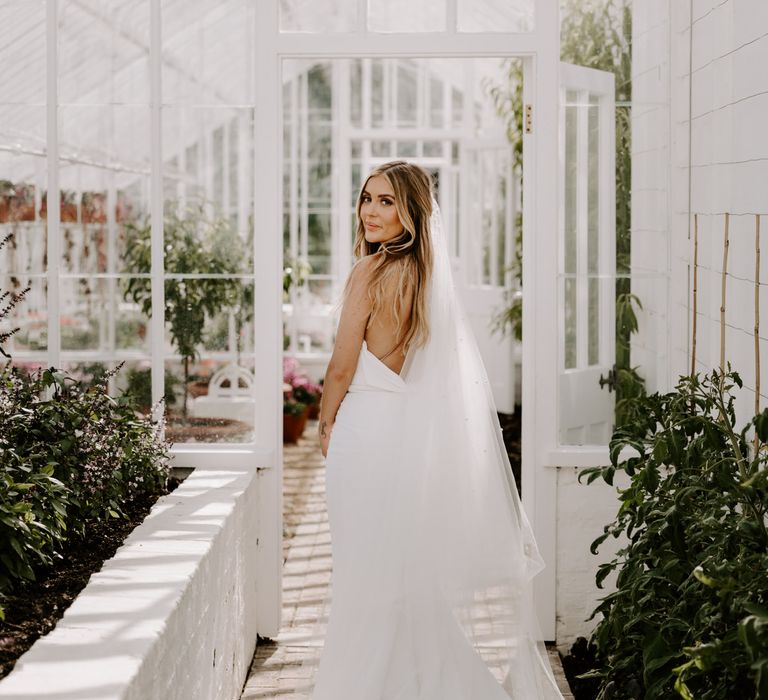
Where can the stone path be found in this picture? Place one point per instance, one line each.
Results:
(284, 667)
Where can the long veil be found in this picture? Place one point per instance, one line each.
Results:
(467, 549)
(469, 539)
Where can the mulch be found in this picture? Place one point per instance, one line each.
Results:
(511, 430)
(33, 609)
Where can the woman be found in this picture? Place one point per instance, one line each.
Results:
(432, 554)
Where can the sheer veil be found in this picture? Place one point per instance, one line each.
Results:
(469, 540)
(467, 549)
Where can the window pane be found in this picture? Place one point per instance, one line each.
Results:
(104, 52)
(495, 15)
(593, 229)
(208, 52)
(315, 17)
(29, 315)
(406, 95)
(406, 16)
(571, 183)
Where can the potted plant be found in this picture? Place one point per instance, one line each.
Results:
(309, 393)
(94, 207)
(194, 245)
(294, 419)
(299, 393)
(22, 202)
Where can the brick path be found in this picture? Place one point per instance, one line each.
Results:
(283, 667)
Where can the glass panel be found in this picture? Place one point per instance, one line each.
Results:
(436, 111)
(569, 322)
(570, 233)
(317, 18)
(208, 52)
(407, 95)
(209, 401)
(23, 55)
(407, 149)
(378, 92)
(104, 52)
(495, 15)
(593, 229)
(433, 149)
(203, 194)
(30, 315)
(356, 93)
(319, 249)
(23, 166)
(571, 183)
(381, 149)
(406, 16)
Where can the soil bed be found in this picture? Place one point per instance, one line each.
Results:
(511, 428)
(33, 609)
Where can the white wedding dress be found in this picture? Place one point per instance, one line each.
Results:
(433, 557)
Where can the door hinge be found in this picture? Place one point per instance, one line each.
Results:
(528, 118)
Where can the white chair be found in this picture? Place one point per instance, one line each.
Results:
(230, 395)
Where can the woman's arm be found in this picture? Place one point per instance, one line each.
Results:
(346, 349)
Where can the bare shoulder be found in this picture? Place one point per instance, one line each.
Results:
(361, 272)
(364, 266)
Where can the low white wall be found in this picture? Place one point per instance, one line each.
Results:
(582, 511)
(171, 616)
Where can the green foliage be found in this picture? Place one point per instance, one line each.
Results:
(689, 617)
(194, 245)
(138, 387)
(293, 408)
(69, 455)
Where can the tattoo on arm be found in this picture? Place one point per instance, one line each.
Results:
(322, 429)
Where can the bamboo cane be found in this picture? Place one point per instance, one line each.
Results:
(726, 245)
(695, 291)
(757, 322)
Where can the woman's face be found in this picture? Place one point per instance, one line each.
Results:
(378, 212)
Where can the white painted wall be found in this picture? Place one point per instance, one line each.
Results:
(707, 154)
(726, 74)
(172, 615)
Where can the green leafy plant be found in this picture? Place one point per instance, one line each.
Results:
(69, 455)
(194, 245)
(689, 617)
(295, 271)
(138, 387)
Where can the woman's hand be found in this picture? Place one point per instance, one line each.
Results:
(324, 431)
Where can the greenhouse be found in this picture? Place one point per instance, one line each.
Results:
(179, 188)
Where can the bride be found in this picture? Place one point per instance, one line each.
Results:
(433, 556)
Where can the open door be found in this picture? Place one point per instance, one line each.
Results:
(488, 193)
(587, 254)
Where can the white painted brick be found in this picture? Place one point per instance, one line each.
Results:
(145, 626)
(582, 510)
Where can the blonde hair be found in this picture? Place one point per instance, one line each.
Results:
(406, 259)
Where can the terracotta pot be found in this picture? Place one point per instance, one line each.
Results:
(5, 209)
(293, 426)
(69, 213)
(314, 411)
(197, 389)
(22, 211)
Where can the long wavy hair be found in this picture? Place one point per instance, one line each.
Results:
(406, 259)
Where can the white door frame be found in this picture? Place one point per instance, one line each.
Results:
(539, 51)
